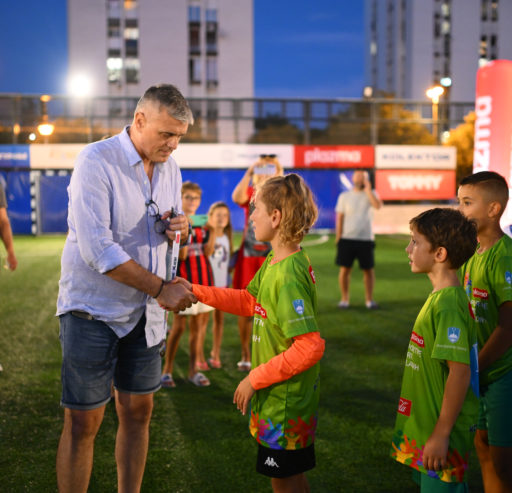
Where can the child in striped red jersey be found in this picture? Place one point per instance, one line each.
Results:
(194, 266)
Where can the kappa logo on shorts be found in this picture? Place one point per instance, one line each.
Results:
(271, 462)
(508, 277)
(298, 306)
(453, 334)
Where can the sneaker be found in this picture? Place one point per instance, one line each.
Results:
(342, 305)
(372, 305)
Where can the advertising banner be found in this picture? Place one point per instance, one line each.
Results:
(493, 124)
(54, 156)
(333, 156)
(415, 184)
(415, 157)
(229, 155)
(14, 156)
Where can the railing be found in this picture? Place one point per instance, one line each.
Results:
(230, 120)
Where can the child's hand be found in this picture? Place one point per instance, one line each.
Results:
(435, 452)
(243, 395)
(183, 281)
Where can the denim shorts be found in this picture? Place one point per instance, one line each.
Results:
(93, 357)
(495, 411)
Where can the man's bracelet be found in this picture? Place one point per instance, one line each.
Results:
(160, 290)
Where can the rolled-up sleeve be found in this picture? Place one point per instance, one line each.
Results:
(91, 197)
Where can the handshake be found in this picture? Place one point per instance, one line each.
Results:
(176, 295)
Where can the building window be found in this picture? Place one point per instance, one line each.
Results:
(131, 29)
(211, 72)
(494, 47)
(194, 71)
(114, 28)
(131, 48)
(483, 47)
(211, 38)
(483, 12)
(494, 10)
(130, 4)
(194, 40)
(194, 13)
(132, 70)
(114, 69)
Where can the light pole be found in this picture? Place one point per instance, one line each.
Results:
(45, 128)
(434, 93)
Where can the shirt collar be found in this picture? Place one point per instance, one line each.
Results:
(128, 147)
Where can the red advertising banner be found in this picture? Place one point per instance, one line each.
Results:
(334, 156)
(493, 125)
(428, 184)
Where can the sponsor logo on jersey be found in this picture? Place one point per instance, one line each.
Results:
(404, 406)
(298, 306)
(508, 277)
(417, 339)
(471, 312)
(467, 284)
(260, 310)
(271, 462)
(312, 274)
(453, 334)
(480, 293)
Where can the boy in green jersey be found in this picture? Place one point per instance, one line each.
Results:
(436, 411)
(283, 386)
(487, 278)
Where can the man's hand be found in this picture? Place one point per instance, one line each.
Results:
(175, 297)
(435, 452)
(243, 395)
(178, 223)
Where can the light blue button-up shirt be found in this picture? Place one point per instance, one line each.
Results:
(109, 224)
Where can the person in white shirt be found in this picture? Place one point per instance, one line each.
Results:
(354, 236)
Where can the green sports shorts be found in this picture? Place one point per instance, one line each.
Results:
(495, 411)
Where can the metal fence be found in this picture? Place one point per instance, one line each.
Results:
(230, 120)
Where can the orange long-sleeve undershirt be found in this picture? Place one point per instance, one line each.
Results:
(305, 351)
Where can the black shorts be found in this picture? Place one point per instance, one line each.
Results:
(279, 463)
(349, 250)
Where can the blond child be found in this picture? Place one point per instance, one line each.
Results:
(487, 278)
(436, 413)
(252, 252)
(283, 385)
(194, 266)
(219, 220)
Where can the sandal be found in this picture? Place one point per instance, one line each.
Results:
(202, 366)
(199, 380)
(244, 366)
(167, 381)
(214, 363)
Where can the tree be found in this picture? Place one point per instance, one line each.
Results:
(462, 137)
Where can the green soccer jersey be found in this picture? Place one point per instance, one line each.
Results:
(444, 331)
(284, 415)
(487, 279)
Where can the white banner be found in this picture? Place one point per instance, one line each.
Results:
(415, 157)
(63, 156)
(230, 155)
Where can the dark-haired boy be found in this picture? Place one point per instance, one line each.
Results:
(487, 280)
(436, 413)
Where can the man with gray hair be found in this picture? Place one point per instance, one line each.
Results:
(124, 210)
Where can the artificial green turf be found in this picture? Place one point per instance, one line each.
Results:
(199, 442)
